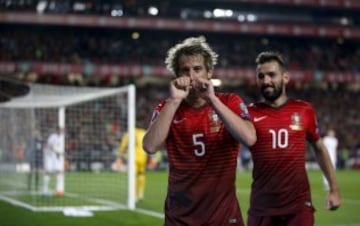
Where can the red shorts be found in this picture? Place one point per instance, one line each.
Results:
(303, 218)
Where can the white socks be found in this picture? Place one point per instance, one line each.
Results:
(60, 182)
(46, 184)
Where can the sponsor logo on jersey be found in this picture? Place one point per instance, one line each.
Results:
(177, 121)
(258, 119)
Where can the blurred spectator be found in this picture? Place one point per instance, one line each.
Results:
(331, 143)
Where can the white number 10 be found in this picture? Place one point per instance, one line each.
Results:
(280, 139)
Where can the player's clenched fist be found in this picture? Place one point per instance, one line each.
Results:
(180, 87)
(203, 87)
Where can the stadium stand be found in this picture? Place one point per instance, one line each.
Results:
(112, 43)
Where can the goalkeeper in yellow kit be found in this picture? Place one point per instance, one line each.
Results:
(140, 160)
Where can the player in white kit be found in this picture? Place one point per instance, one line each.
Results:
(54, 161)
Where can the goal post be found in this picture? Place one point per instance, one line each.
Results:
(131, 148)
(94, 120)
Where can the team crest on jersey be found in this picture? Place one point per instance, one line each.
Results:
(215, 123)
(296, 122)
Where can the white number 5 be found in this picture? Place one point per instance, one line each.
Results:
(198, 142)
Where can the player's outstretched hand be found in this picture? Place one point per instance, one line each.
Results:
(10, 88)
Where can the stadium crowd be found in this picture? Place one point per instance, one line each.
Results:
(106, 46)
(194, 10)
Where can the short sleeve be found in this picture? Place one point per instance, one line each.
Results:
(312, 132)
(237, 105)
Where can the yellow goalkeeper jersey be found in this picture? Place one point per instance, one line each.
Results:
(140, 154)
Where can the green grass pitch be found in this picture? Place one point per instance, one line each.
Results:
(347, 215)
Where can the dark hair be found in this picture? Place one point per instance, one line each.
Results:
(268, 56)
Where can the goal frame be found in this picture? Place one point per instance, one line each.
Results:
(33, 101)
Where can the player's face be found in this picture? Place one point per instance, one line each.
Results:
(271, 80)
(194, 68)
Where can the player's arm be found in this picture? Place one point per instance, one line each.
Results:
(242, 130)
(158, 130)
(56, 149)
(321, 153)
(51, 144)
(323, 158)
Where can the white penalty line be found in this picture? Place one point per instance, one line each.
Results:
(90, 208)
(150, 213)
(17, 203)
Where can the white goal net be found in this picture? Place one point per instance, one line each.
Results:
(93, 120)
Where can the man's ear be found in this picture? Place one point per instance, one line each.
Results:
(286, 77)
(210, 74)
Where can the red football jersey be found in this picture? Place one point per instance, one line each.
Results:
(280, 183)
(202, 166)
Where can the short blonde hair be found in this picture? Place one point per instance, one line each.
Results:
(189, 47)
